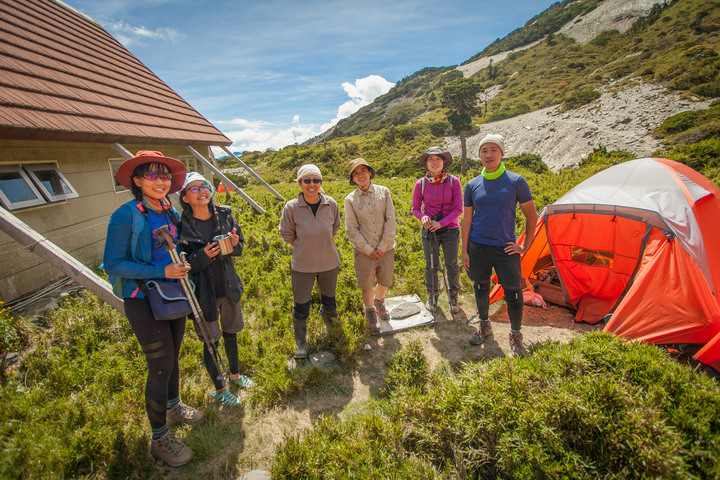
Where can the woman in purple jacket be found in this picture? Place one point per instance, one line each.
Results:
(437, 203)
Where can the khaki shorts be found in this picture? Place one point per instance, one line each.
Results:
(231, 319)
(368, 269)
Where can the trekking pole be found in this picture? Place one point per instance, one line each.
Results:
(433, 277)
(443, 272)
(166, 239)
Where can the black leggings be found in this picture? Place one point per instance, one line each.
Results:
(160, 342)
(231, 350)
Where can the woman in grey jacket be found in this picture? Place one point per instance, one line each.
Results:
(309, 223)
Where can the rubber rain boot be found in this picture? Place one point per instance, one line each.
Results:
(300, 327)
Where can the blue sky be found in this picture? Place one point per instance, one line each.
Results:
(276, 72)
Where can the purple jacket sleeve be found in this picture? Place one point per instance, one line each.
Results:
(417, 200)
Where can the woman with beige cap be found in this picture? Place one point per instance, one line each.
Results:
(309, 223)
(437, 203)
(370, 226)
(132, 257)
(488, 234)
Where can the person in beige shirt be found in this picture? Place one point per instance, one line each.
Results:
(309, 223)
(370, 226)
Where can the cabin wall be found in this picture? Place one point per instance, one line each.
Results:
(77, 225)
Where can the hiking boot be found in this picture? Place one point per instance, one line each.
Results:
(516, 344)
(300, 327)
(330, 318)
(381, 310)
(182, 413)
(454, 304)
(431, 303)
(170, 450)
(484, 331)
(373, 321)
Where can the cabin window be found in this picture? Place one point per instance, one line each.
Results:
(114, 165)
(191, 163)
(23, 186)
(51, 182)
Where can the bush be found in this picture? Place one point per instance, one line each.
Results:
(677, 123)
(408, 369)
(599, 407)
(439, 129)
(530, 161)
(10, 340)
(580, 97)
(700, 156)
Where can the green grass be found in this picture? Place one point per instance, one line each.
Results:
(596, 408)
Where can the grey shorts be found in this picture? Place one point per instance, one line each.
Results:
(368, 269)
(231, 319)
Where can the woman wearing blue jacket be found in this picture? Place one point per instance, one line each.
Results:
(133, 257)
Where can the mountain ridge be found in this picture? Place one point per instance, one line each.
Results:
(625, 125)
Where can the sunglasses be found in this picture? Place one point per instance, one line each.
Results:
(152, 176)
(308, 181)
(197, 188)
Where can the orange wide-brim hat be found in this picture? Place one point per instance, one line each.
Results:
(177, 168)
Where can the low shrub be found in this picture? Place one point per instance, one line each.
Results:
(578, 98)
(598, 407)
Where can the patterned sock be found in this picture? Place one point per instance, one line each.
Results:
(173, 403)
(158, 433)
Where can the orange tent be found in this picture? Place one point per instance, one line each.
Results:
(640, 241)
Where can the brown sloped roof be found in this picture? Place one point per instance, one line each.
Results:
(63, 77)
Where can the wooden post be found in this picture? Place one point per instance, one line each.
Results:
(250, 170)
(227, 181)
(58, 258)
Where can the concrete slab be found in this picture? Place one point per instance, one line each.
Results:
(405, 304)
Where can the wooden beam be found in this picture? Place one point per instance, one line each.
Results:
(250, 170)
(124, 152)
(58, 258)
(225, 179)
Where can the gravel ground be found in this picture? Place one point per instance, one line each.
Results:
(619, 120)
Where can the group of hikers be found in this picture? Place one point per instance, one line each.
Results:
(309, 224)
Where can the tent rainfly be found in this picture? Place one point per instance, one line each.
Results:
(639, 242)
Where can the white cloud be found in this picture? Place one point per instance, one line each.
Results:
(362, 93)
(130, 35)
(257, 135)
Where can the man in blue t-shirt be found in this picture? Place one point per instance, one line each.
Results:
(488, 237)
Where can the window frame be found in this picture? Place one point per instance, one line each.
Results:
(51, 197)
(10, 205)
(192, 164)
(113, 163)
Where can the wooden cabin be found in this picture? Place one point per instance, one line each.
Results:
(72, 100)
